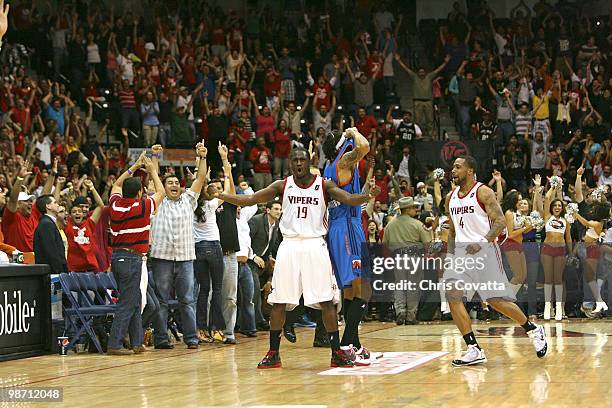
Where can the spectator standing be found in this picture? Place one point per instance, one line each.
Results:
(130, 224)
(406, 234)
(265, 238)
(149, 109)
(246, 313)
(80, 234)
(48, 245)
(422, 94)
(228, 231)
(173, 251)
(127, 108)
(261, 158)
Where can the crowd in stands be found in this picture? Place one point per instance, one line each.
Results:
(82, 83)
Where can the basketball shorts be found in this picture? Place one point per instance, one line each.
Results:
(346, 240)
(303, 267)
(482, 273)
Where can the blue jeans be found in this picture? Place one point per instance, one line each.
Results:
(246, 312)
(177, 276)
(151, 309)
(208, 268)
(229, 293)
(127, 268)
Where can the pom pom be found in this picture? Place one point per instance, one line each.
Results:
(599, 193)
(536, 220)
(519, 221)
(570, 210)
(556, 182)
(438, 174)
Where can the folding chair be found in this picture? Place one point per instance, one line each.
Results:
(81, 312)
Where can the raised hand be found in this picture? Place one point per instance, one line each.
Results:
(580, 171)
(88, 184)
(148, 163)
(222, 151)
(25, 170)
(537, 180)
(374, 189)
(4, 10)
(55, 164)
(157, 149)
(497, 175)
(201, 151)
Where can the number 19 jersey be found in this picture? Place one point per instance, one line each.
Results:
(304, 210)
(469, 217)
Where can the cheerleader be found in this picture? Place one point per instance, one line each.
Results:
(598, 213)
(516, 225)
(557, 244)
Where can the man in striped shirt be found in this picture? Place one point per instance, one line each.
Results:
(173, 252)
(130, 220)
(127, 103)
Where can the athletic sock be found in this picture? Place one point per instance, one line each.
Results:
(347, 336)
(470, 339)
(334, 340)
(358, 308)
(528, 326)
(275, 338)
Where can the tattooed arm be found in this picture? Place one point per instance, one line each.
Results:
(494, 211)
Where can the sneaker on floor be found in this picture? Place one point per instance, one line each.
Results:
(229, 340)
(217, 335)
(204, 337)
(350, 352)
(473, 355)
(342, 358)
(538, 335)
(193, 346)
(271, 360)
(164, 346)
(367, 354)
(362, 356)
(140, 349)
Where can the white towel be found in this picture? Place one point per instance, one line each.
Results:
(144, 281)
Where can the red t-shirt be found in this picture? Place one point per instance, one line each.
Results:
(322, 95)
(19, 230)
(103, 250)
(365, 125)
(265, 124)
(189, 74)
(272, 85)
(22, 116)
(81, 246)
(261, 157)
(383, 197)
(282, 143)
(130, 221)
(217, 36)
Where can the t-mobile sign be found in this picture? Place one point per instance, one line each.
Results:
(25, 319)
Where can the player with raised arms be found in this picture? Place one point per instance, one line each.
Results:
(302, 264)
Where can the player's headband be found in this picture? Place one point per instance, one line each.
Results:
(340, 142)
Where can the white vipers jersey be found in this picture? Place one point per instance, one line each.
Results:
(304, 210)
(469, 217)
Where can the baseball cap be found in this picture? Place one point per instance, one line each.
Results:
(420, 184)
(406, 202)
(25, 196)
(80, 200)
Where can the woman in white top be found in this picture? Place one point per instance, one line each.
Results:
(557, 244)
(208, 266)
(93, 52)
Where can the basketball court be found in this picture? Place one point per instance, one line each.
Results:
(415, 372)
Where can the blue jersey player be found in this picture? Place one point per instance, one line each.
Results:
(345, 236)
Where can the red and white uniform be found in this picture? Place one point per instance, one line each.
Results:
(303, 266)
(304, 210)
(482, 272)
(469, 216)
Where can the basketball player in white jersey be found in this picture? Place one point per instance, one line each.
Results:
(476, 220)
(302, 264)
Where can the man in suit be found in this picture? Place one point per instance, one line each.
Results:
(48, 245)
(265, 239)
(407, 166)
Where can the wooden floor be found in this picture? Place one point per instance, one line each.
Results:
(576, 372)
